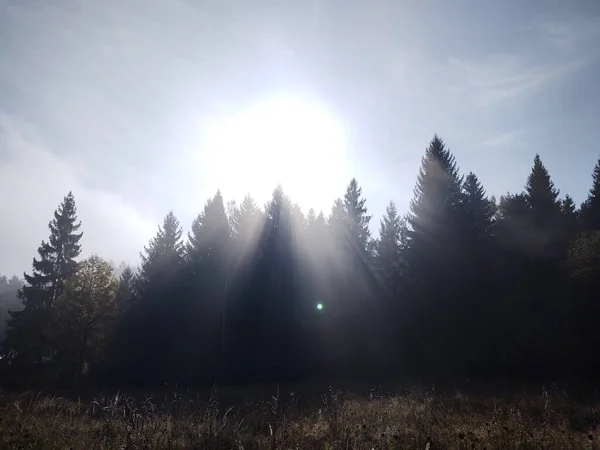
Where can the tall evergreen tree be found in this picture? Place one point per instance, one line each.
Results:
(208, 251)
(298, 219)
(26, 333)
(146, 336)
(210, 233)
(246, 222)
(544, 205)
(163, 257)
(9, 300)
(542, 196)
(357, 218)
(515, 233)
(570, 216)
(336, 221)
(435, 216)
(590, 210)
(434, 256)
(311, 217)
(478, 210)
(388, 249)
(126, 290)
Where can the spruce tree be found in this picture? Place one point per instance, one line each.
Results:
(337, 218)
(388, 249)
(275, 289)
(546, 216)
(590, 211)
(9, 300)
(145, 344)
(245, 219)
(311, 217)
(208, 239)
(570, 217)
(435, 258)
(514, 229)
(298, 218)
(126, 290)
(26, 337)
(478, 210)
(163, 257)
(357, 219)
(542, 196)
(435, 216)
(208, 251)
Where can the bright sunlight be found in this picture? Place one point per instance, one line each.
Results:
(282, 140)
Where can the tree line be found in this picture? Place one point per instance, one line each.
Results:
(463, 284)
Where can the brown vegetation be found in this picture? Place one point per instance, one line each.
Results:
(337, 420)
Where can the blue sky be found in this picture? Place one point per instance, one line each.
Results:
(110, 99)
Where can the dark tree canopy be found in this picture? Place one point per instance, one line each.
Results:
(590, 209)
(458, 285)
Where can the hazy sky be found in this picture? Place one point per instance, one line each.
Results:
(114, 99)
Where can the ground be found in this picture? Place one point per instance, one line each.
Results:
(292, 417)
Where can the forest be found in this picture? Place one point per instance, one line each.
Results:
(461, 285)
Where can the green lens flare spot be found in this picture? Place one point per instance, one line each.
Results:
(319, 306)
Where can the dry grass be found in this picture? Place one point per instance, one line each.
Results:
(411, 420)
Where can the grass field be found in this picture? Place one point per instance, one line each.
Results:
(278, 418)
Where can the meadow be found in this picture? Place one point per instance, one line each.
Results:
(294, 417)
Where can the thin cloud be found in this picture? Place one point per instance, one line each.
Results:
(512, 137)
(579, 31)
(507, 77)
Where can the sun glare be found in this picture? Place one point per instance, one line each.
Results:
(283, 140)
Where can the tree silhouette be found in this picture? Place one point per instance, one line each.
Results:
(388, 250)
(26, 338)
(434, 255)
(590, 210)
(462, 285)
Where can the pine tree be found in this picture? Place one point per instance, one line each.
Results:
(208, 239)
(320, 220)
(514, 228)
(274, 289)
(25, 338)
(298, 218)
(546, 217)
(83, 316)
(145, 342)
(388, 249)
(311, 217)
(590, 210)
(208, 251)
(437, 192)
(435, 258)
(163, 257)
(57, 257)
(9, 300)
(478, 210)
(337, 217)
(435, 216)
(357, 218)
(570, 217)
(315, 244)
(246, 220)
(126, 290)
(542, 196)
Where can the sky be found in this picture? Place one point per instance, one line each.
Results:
(120, 101)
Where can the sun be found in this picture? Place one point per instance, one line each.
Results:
(287, 140)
